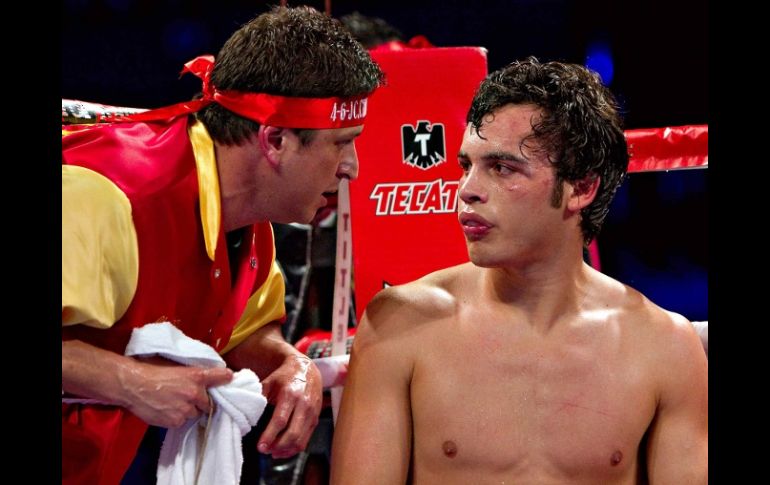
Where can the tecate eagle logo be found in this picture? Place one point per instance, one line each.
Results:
(423, 147)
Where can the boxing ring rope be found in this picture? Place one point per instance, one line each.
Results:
(651, 149)
(669, 148)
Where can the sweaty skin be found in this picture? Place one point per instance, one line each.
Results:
(571, 403)
(525, 365)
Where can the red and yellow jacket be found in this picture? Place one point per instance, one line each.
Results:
(164, 169)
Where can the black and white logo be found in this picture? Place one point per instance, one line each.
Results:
(423, 147)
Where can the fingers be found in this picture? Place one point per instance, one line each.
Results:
(167, 395)
(210, 377)
(278, 422)
(217, 376)
(291, 426)
(202, 404)
(296, 437)
(173, 417)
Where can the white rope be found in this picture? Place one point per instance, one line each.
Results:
(343, 267)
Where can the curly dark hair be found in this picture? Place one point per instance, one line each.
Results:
(580, 129)
(291, 52)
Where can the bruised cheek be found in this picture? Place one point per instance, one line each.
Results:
(534, 188)
(513, 190)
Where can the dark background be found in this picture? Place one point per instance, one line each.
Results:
(129, 52)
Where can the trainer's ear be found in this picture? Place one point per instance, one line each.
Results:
(273, 143)
(583, 192)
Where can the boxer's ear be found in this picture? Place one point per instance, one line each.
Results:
(274, 143)
(582, 192)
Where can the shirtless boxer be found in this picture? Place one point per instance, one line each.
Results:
(526, 365)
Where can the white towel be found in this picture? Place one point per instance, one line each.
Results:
(238, 406)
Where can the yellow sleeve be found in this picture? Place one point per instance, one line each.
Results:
(99, 250)
(264, 306)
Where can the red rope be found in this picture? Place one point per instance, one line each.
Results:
(668, 148)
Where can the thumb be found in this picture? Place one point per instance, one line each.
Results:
(267, 388)
(217, 376)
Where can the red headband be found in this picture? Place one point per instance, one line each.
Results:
(265, 109)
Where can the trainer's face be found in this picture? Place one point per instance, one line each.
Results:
(505, 191)
(318, 167)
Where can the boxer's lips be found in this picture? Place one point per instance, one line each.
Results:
(474, 226)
